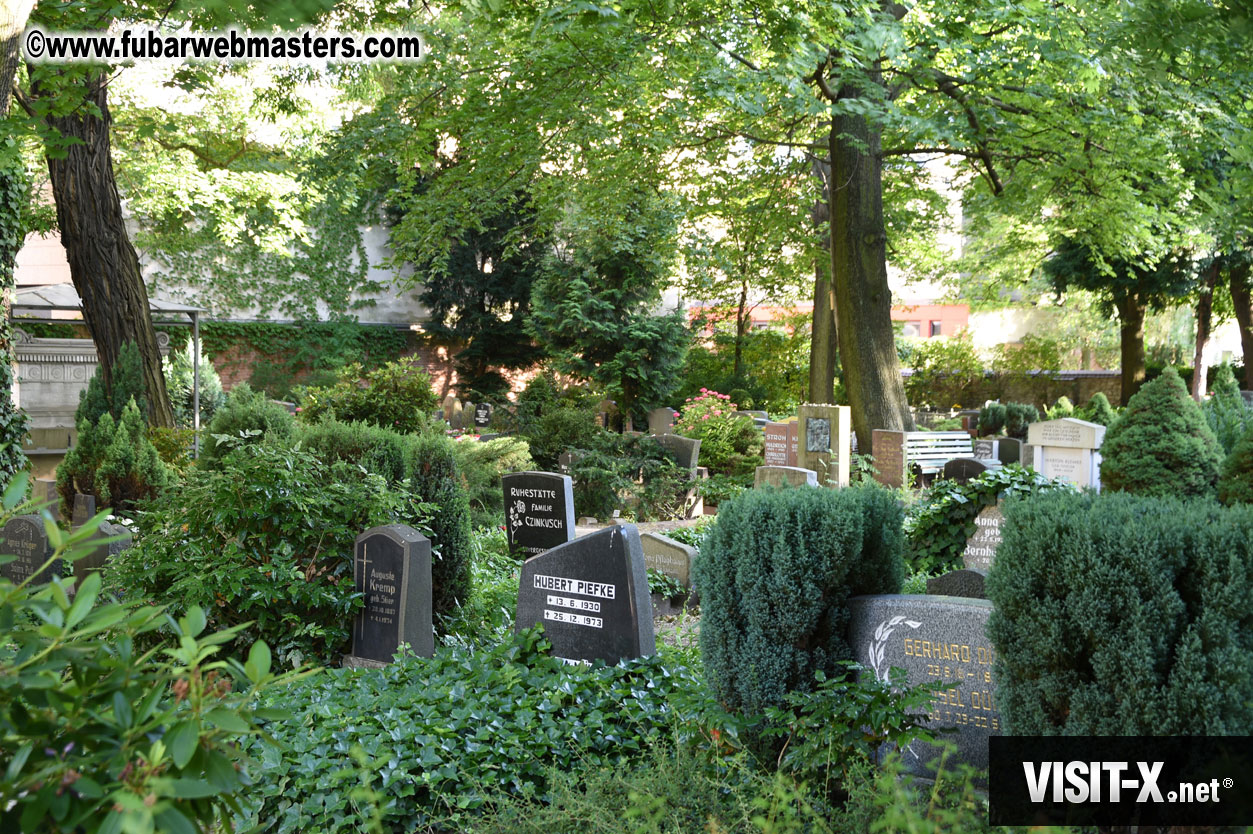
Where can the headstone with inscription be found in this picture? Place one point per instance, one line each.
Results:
(981, 546)
(825, 446)
(686, 451)
(25, 537)
(777, 476)
(1067, 449)
(539, 511)
(934, 639)
(483, 415)
(668, 556)
(959, 583)
(775, 436)
(888, 448)
(660, 420)
(987, 448)
(392, 567)
(591, 595)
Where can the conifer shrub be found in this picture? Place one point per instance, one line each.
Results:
(775, 576)
(1161, 444)
(1017, 417)
(1235, 485)
(1123, 615)
(1098, 410)
(114, 461)
(397, 395)
(1225, 411)
(246, 416)
(128, 384)
(991, 419)
(1061, 409)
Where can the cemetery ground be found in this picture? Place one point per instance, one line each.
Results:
(328, 625)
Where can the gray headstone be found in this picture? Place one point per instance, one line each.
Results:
(685, 450)
(45, 493)
(25, 537)
(668, 556)
(959, 583)
(986, 448)
(591, 595)
(934, 639)
(84, 509)
(965, 469)
(392, 568)
(102, 551)
(660, 420)
(981, 546)
(483, 415)
(785, 476)
(539, 511)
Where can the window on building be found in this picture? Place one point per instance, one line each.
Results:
(912, 329)
(935, 328)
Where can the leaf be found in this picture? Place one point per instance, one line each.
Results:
(258, 665)
(194, 622)
(171, 820)
(84, 599)
(182, 741)
(122, 712)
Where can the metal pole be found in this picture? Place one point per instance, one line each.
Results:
(195, 383)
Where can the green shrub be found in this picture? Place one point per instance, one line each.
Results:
(729, 445)
(1161, 444)
(481, 464)
(1225, 412)
(1124, 615)
(775, 575)
(991, 419)
(265, 544)
(632, 473)
(128, 383)
(115, 462)
(1235, 485)
(1061, 409)
(440, 736)
(378, 450)
(563, 428)
(1017, 417)
(947, 372)
(246, 415)
(396, 396)
(1098, 410)
(485, 617)
(938, 524)
(97, 736)
(180, 383)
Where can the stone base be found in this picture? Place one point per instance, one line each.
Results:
(354, 662)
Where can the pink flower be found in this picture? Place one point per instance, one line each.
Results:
(704, 416)
(704, 390)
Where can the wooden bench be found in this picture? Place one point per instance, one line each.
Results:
(926, 452)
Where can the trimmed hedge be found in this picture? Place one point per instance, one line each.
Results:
(775, 575)
(1124, 615)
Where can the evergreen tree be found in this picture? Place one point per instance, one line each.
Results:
(1225, 411)
(128, 384)
(1161, 445)
(1235, 485)
(1098, 410)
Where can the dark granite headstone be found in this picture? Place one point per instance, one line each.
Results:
(539, 511)
(660, 420)
(483, 415)
(1009, 449)
(45, 493)
(959, 583)
(668, 556)
(393, 569)
(785, 476)
(981, 546)
(934, 639)
(25, 537)
(965, 469)
(888, 448)
(591, 595)
(685, 450)
(102, 551)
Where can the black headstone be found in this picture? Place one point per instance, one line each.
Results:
(539, 511)
(959, 583)
(591, 595)
(483, 415)
(393, 569)
(25, 537)
(965, 469)
(1009, 450)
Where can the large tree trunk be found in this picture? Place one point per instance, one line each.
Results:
(863, 302)
(1131, 340)
(1204, 315)
(1238, 281)
(103, 264)
(823, 343)
(13, 17)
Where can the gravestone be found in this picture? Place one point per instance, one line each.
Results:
(483, 438)
(981, 546)
(450, 404)
(1067, 449)
(1248, 398)
(392, 568)
(825, 446)
(25, 537)
(539, 511)
(987, 448)
(565, 461)
(686, 451)
(1008, 450)
(45, 493)
(606, 410)
(102, 551)
(959, 583)
(668, 556)
(963, 470)
(661, 420)
(934, 639)
(888, 448)
(84, 509)
(775, 436)
(591, 595)
(778, 476)
(483, 415)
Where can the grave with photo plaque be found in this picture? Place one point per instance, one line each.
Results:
(25, 537)
(591, 596)
(934, 639)
(539, 511)
(392, 567)
(981, 546)
(825, 445)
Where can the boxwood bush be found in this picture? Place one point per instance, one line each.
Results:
(775, 574)
(1124, 615)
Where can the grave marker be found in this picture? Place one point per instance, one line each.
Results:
(963, 470)
(102, 551)
(25, 537)
(483, 415)
(934, 639)
(987, 448)
(888, 448)
(686, 451)
(777, 476)
(84, 509)
(660, 420)
(981, 546)
(668, 556)
(392, 567)
(825, 446)
(45, 492)
(959, 583)
(591, 595)
(539, 511)
(1067, 449)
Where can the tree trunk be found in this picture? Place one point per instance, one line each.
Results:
(863, 302)
(1204, 314)
(823, 343)
(13, 17)
(103, 264)
(1131, 339)
(1239, 284)
(741, 325)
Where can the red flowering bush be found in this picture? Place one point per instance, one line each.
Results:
(729, 445)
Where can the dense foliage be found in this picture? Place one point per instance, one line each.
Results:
(1235, 484)
(1225, 411)
(180, 383)
(246, 416)
(1161, 445)
(114, 461)
(128, 383)
(1097, 410)
(395, 396)
(775, 575)
(264, 544)
(481, 463)
(1010, 418)
(1124, 615)
(631, 473)
(729, 445)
